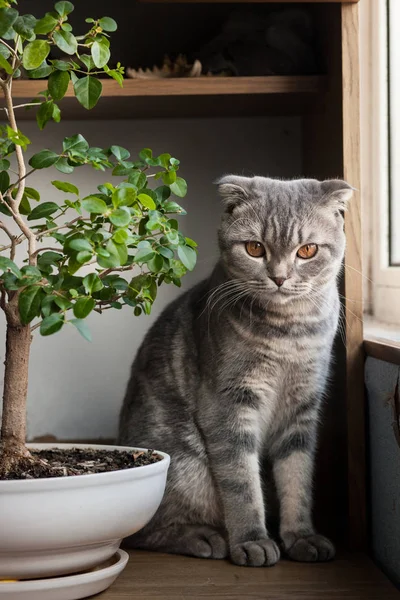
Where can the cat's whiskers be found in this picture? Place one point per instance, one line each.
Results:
(346, 266)
(216, 290)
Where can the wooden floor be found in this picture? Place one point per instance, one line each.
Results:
(161, 576)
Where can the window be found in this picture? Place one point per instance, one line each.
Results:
(393, 47)
(380, 159)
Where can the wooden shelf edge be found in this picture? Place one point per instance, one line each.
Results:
(247, 1)
(386, 350)
(204, 86)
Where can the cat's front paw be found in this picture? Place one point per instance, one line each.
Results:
(308, 548)
(257, 553)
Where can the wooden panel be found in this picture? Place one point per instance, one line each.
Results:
(386, 350)
(254, 1)
(163, 577)
(323, 159)
(196, 86)
(355, 400)
(331, 149)
(190, 98)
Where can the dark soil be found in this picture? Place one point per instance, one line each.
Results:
(77, 461)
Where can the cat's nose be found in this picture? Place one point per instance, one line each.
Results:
(279, 280)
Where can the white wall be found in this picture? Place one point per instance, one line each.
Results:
(76, 388)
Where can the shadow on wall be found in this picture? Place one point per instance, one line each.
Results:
(76, 388)
(383, 387)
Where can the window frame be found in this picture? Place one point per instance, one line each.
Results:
(382, 281)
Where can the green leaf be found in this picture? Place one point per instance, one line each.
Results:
(116, 75)
(94, 205)
(56, 113)
(63, 302)
(47, 305)
(137, 284)
(29, 303)
(155, 264)
(64, 186)
(169, 177)
(173, 207)
(88, 91)
(166, 252)
(5, 53)
(146, 201)
(143, 255)
(92, 283)
(18, 137)
(4, 64)
(51, 324)
(43, 159)
(24, 26)
(190, 242)
(100, 54)
(8, 16)
(83, 307)
(44, 113)
(35, 53)
(49, 258)
(32, 193)
(79, 244)
(4, 210)
(58, 84)
(87, 61)
(113, 260)
(188, 256)
(124, 196)
(119, 152)
(4, 181)
(61, 65)
(179, 187)
(4, 164)
(66, 41)
(138, 178)
(76, 143)
(83, 328)
(30, 274)
(8, 265)
(120, 217)
(108, 24)
(63, 166)
(43, 71)
(64, 8)
(84, 256)
(120, 236)
(25, 207)
(43, 210)
(46, 24)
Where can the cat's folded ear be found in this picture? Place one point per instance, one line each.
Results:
(233, 190)
(337, 193)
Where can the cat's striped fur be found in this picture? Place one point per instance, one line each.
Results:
(234, 371)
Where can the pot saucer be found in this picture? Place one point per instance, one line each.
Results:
(68, 587)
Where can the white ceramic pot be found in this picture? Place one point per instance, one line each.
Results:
(50, 527)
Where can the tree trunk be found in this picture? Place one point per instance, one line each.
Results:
(13, 428)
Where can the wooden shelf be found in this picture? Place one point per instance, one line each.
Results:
(206, 96)
(165, 577)
(252, 1)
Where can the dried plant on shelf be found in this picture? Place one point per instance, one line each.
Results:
(125, 234)
(169, 69)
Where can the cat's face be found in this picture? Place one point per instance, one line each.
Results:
(285, 239)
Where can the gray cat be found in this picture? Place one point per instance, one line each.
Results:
(235, 370)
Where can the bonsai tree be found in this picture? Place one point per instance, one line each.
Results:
(112, 248)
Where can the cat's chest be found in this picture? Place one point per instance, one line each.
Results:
(282, 386)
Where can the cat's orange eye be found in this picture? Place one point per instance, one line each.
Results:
(255, 249)
(307, 251)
